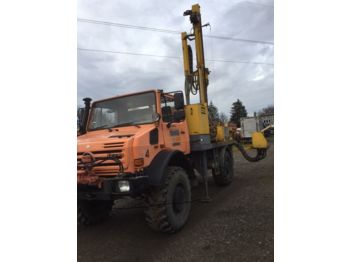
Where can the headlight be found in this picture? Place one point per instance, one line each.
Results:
(124, 186)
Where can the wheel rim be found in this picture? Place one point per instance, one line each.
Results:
(179, 198)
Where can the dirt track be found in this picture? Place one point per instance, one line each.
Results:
(236, 226)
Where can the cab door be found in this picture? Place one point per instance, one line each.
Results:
(175, 129)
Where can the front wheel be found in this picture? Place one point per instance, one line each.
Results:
(169, 206)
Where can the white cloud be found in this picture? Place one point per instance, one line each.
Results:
(102, 74)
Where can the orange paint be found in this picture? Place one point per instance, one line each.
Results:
(130, 143)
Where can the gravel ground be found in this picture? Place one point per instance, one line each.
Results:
(237, 225)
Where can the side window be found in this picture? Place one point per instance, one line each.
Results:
(167, 107)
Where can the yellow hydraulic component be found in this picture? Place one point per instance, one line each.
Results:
(196, 80)
(186, 57)
(259, 140)
(197, 119)
(220, 134)
(200, 76)
(202, 71)
(188, 69)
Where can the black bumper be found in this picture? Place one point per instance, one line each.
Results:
(110, 189)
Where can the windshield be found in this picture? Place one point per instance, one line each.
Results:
(127, 110)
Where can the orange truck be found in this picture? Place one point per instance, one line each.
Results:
(150, 145)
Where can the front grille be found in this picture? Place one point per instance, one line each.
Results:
(116, 145)
(109, 166)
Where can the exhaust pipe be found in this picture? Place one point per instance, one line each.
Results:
(87, 102)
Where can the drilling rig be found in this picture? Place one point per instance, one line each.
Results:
(151, 144)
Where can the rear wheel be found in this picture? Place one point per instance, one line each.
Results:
(93, 211)
(225, 175)
(169, 206)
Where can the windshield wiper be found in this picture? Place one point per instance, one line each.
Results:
(127, 124)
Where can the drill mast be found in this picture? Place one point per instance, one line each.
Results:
(195, 80)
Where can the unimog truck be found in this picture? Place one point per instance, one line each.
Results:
(149, 145)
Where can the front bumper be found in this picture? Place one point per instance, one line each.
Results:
(110, 189)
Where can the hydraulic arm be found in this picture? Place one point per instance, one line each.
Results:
(202, 127)
(195, 80)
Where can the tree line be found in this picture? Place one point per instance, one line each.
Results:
(237, 111)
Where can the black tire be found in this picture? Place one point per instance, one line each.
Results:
(225, 175)
(169, 206)
(91, 212)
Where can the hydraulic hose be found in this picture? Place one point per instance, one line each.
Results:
(260, 153)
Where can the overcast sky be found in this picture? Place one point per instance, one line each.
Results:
(102, 75)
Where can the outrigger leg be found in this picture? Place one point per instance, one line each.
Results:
(203, 170)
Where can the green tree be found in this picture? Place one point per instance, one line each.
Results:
(223, 118)
(269, 110)
(237, 111)
(213, 112)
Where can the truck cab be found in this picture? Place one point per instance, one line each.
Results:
(126, 146)
(127, 132)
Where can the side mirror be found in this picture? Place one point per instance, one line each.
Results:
(179, 102)
(83, 114)
(80, 117)
(179, 116)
